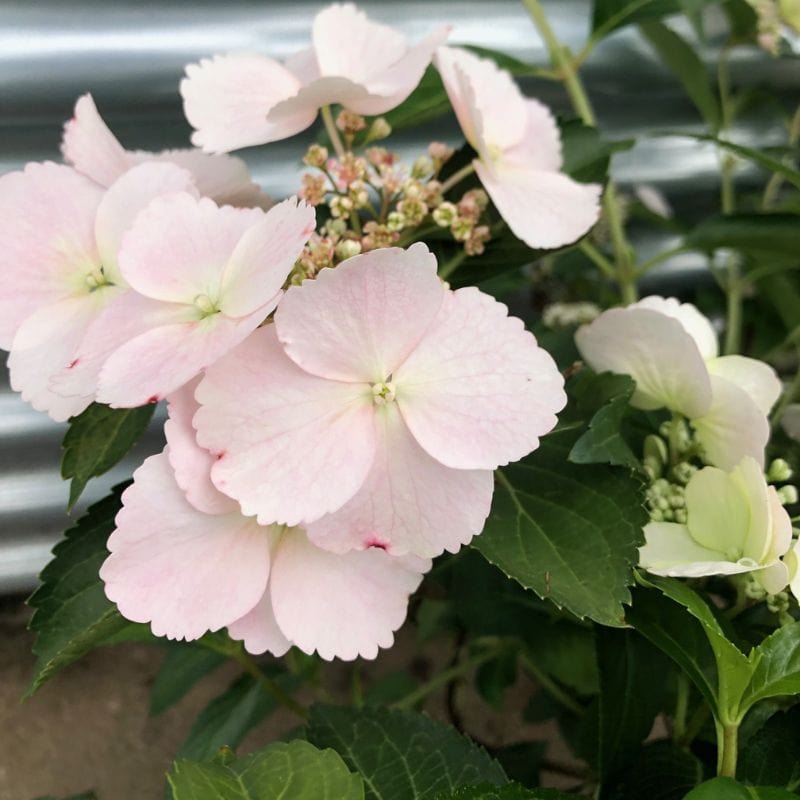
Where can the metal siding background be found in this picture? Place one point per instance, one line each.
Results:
(130, 55)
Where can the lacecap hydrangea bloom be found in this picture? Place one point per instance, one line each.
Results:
(184, 559)
(670, 349)
(375, 408)
(243, 99)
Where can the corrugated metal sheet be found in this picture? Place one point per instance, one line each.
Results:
(130, 55)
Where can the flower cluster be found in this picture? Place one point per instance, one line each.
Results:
(711, 507)
(335, 410)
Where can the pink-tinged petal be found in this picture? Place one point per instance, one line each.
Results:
(291, 446)
(360, 321)
(303, 65)
(320, 92)
(225, 179)
(733, 427)
(670, 550)
(44, 343)
(264, 257)
(90, 146)
(179, 245)
(227, 100)
(696, 324)
(127, 196)
(755, 377)
(163, 359)
(478, 392)
(544, 209)
(540, 146)
(190, 462)
(489, 106)
(656, 351)
(182, 571)
(340, 606)
(409, 503)
(259, 631)
(48, 246)
(126, 316)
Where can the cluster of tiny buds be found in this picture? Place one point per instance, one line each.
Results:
(779, 471)
(666, 501)
(568, 315)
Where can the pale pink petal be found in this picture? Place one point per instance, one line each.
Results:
(182, 571)
(178, 247)
(696, 324)
(358, 322)
(190, 462)
(259, 631)
(126, 316)
(44, 343)
(670, 550)
(159, 361)
(349, 45)
(489, 106)
(48, 247)
(544, 209)
(303, 65)
(755, 377)
(227, 100)
(320, 92)
(540, 146)
(340, 606)
(409, 503)
(264, 257)
(126, 197)
(225, 179)
(291, 446)
(90, 146)
(656, 351)
(478, 392)
(733, 427)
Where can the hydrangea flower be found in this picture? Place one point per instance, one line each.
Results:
(518, 149)
(376, 407)
(61, 237)
(670, 349)
(735, 524)
(94, 151)
(192, 563)
(244, 99)
(204, 277)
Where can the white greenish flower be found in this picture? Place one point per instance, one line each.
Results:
(792, 562)
(735, 523)
(670, 349)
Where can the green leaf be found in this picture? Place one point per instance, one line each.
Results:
(660, 771)
(493, 677)
(729, 789)
(97, 439)
(631, 694)
(608, 397)
(290, 771)
(512, 791)
(228, 717)
(586, 155)
(733, 667)
(82, 796)
(609, 15)
(71, 612)
(569, 532)
(749, 233)
(401, 755)
(771, 755)
(521, 761)
(183, 667)
(687, 67)
(776, 669)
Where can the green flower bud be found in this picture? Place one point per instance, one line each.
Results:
(788, 495)
(779, 471)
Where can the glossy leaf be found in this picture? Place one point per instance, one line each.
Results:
(771, 756)
(183, 666)
(568, 532)
(586, 155)
(291, 771)
(97, 439)
(401, 755)
(659, 771)
(729, 789)
(513, 791)
(777, 234)
(776, 670)
(71, 612)
(685, 64)
(609, 15)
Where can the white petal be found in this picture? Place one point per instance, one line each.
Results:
(696, 324)
(758, 379)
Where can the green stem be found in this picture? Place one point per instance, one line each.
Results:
(563, 61)
(593, 254)
(457, 177)
(333, 132)
(444, 677)
(449, 267)
(728, 745)
(734, 286)
(550, 686)
(773, 187)
(646, 266)
(681, 708)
